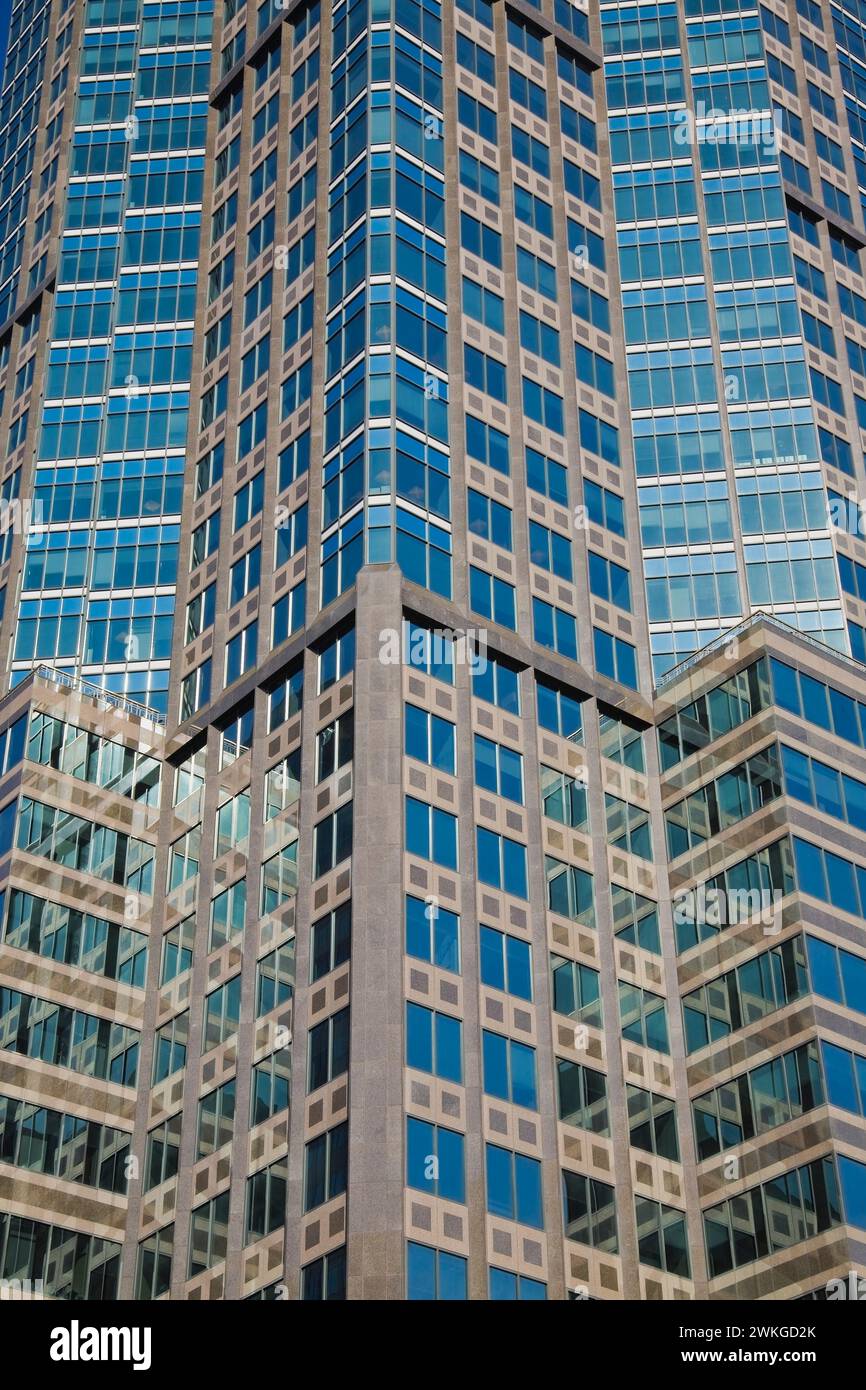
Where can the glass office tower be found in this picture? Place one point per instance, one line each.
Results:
(432, 811)
(734, 509)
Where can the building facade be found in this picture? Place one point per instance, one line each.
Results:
(432, 787)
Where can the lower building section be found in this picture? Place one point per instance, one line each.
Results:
(420, 970)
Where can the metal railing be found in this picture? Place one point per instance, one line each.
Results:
(725, 638)
(97, 692)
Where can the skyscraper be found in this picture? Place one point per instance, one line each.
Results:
(432, 772)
